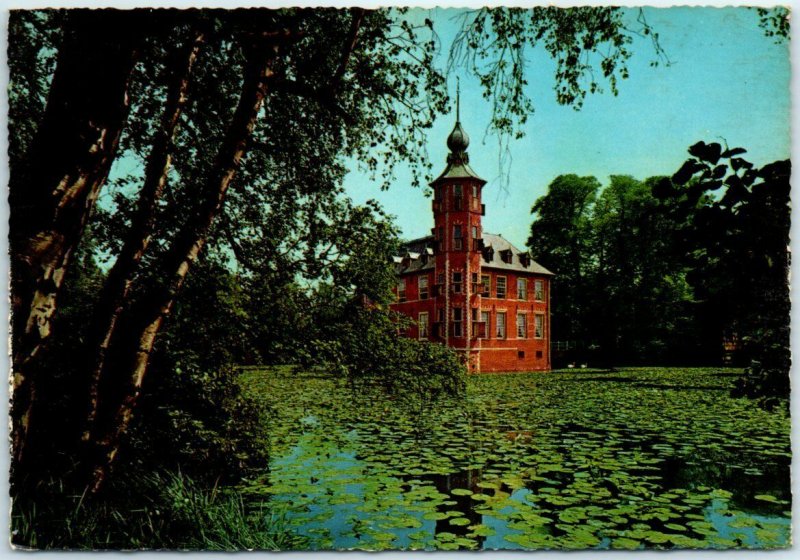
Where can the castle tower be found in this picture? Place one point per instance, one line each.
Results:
(457, 211)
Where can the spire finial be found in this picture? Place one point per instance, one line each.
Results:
(458, 99)
(458, 139)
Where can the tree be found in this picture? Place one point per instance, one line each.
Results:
(620, 291)
(736, 220)
(54, 188)
(560, 240)
(644, 314)
(353, 83)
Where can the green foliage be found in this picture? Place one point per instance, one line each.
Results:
(560, 240)
(151, 511)
(32, 48)
(664, 270)
(735, 221)
(365, 345)
(620, 292)
(201, 423)
(658, 458)
(493, 44)
(775, 22)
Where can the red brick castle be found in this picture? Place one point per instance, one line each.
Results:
(471, 290)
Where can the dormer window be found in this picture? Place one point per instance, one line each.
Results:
(525, 259)
(506, 256)
(488, 254)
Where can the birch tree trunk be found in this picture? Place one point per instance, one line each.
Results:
(130, 348)
(117, 285)
(53, 196)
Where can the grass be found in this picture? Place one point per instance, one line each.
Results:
(159, 511)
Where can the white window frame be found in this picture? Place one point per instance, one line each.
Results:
(423, 324)
(497, 287)
(522, 321)
(498, 333)
(422, 284)
(538, 290)
(523, 293)
(538, 326)
(401, 290)
(485, 315)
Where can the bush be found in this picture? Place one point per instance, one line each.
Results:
(369, 349)
(200, 423)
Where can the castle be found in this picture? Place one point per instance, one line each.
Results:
(471, 290)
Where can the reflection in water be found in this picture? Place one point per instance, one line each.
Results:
(516, 475)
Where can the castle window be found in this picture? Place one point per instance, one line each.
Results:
(401, 290)
(538, 290)
(423, 287)
(538, 326)
(522, 288)
(522, 325)
(457, 318)
(422, 323)
(475, 191)
(500, 331)
(474, 232)
(457, 237)
(457, 282)
(501, 287)
(458, 196)
(486, 283)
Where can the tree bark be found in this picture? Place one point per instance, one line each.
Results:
(118, 282)
(122, 376)
(52, 197)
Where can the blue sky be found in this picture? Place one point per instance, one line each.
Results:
(726, 82)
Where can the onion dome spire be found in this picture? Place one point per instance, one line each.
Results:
(458, 160)
(458, 141)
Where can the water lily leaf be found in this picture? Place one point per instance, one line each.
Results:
(766, 498)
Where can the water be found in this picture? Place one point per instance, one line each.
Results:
(665, 459)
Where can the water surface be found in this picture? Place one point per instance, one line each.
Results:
(641, 458)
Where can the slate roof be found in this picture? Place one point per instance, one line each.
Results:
(420, 255)
(457, 170)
